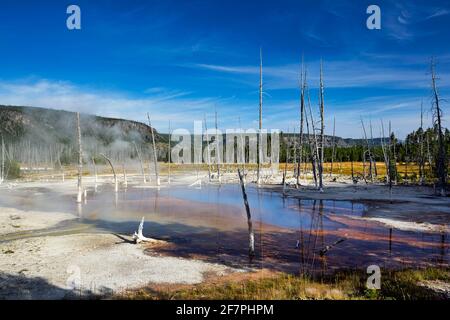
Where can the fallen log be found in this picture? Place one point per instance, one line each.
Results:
(323, 251)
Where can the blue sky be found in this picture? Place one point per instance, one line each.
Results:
(178, 60)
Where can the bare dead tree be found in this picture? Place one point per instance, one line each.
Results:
(421, 151)
(322, 129)
(364, 176)
(217, 149)
(251, 235)
(169, 156)
(208, 155)
(353, 171)
(80, 161)
(242, 148)
(394, 157)
(155, 155)
(441, 166)
(406, 162)
(140, 161)
(294, 158)
(392, 161)
(286, 162)
(302, 113)
(314, 149)
(309, 156)
(386, 153)
(259, 158)
(375, 170)
(116, 183)
(369, 153)
(2, 168)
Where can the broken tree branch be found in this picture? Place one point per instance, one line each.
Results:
(138, 235)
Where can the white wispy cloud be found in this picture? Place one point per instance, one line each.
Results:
(229, 69)
(405, 22)
(438, 13)
(364, 72)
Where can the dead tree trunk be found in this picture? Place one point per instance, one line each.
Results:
(406, 162)
(155, 155)
(116, 183)
(441, 166)
(294, 158)
(302, 112)
(421, 151)
(80, 161)
(353, 171)
(251, 235)
(392, 161)
(372, 153)
(259, 157)
(208, 156)
(386, 154)
(364, 166)
(169, 156)
(369, 153)
(242, 148)
(322, 130)
(285, 164)
(312, 144)
(394, 156)
(217, 149)
(2, 168)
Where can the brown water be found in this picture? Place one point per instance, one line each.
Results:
(210, 223)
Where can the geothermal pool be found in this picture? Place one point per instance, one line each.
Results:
(210, 223)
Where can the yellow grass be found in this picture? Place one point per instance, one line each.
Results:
(345, 168)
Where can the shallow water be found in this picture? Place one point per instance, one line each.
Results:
(210, 223)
